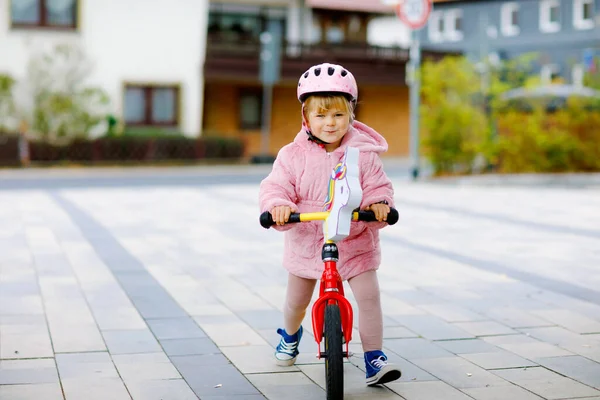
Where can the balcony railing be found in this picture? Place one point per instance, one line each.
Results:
(221, 46)
(239, 59)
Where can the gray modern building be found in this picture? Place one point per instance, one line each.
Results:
(564, 33)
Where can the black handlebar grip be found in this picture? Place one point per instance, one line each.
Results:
(393, 216)
(369, 216)
(266, 219)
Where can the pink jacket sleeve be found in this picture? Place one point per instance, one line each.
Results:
(376, 186)
(279, 187)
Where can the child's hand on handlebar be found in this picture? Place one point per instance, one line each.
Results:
(281, 214)
(380, 210)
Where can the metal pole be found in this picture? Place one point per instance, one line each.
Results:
(266, 117)
(415, 99)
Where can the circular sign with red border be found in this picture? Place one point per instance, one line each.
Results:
(414, 13)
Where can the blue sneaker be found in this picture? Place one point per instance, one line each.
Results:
(378, 369)
(287, 349)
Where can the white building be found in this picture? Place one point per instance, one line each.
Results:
(147, 54)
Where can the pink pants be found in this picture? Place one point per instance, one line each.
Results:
(365, 288)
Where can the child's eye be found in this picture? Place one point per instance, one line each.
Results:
(339, 115)
(320, 115)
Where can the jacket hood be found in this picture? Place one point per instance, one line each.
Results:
(359, 135)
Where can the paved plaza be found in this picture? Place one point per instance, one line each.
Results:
(163, 291)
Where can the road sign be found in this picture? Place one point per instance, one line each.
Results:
(414, 13)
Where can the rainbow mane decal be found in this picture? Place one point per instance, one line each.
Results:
(338, 173)
(344, 195)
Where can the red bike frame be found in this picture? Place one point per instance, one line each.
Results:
(331, 291)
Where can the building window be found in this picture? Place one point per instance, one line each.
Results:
(509, 19)
(147, 105)
(60, 14)
(250, 108)
(550, 16)
(453, 20)
(583, 14)
(446, 25)
(436, 26)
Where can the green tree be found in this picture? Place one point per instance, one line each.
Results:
(7, 104)
(64, 106)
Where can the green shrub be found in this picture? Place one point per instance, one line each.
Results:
(453, 128)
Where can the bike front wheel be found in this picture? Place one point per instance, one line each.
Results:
(334, 359)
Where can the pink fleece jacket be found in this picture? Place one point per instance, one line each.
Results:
(299, 179)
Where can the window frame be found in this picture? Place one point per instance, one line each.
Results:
(250, 91)
(148, 89)
(579, 22)
(42, 22)
(547, 26)
(450, 32)
(433, 27)
(506, 24)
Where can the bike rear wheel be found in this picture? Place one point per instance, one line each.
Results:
(334, 361)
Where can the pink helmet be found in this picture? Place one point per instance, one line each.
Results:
(327, 78)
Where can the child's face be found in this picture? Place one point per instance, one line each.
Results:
(329, 125)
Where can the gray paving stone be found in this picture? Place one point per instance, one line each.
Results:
(571, 320)
(155, 303)
(15, 372)
(452, 313)
(459, 372)
(427, 391)
(431, 327)
(289, 385)
(485, 328)
(118, 318)
(413, 349)
(18, 290)
(576, 367)
(142, 367)
(76, 338)
(132, 341)
(95, 389)
(185, 347)
(175, 328)
(262, 319)
(238, 397)
(501, 393)
(86, 365)
(205, 373)
(45, 391)
(22, 305)
(25, 341)
(500, 359)
(395, 332)
(164, 389)
(527, 347)
(546, 383)
(515, 318)
(467, 346)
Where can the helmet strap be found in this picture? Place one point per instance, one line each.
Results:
(315, 139)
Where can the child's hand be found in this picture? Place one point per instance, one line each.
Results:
(381, 211)
(281, 214)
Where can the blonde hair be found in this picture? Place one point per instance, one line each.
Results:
(323, 103)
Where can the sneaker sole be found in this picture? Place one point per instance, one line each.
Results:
(285, 363)
(384, 376)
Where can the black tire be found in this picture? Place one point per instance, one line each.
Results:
(334, 362)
